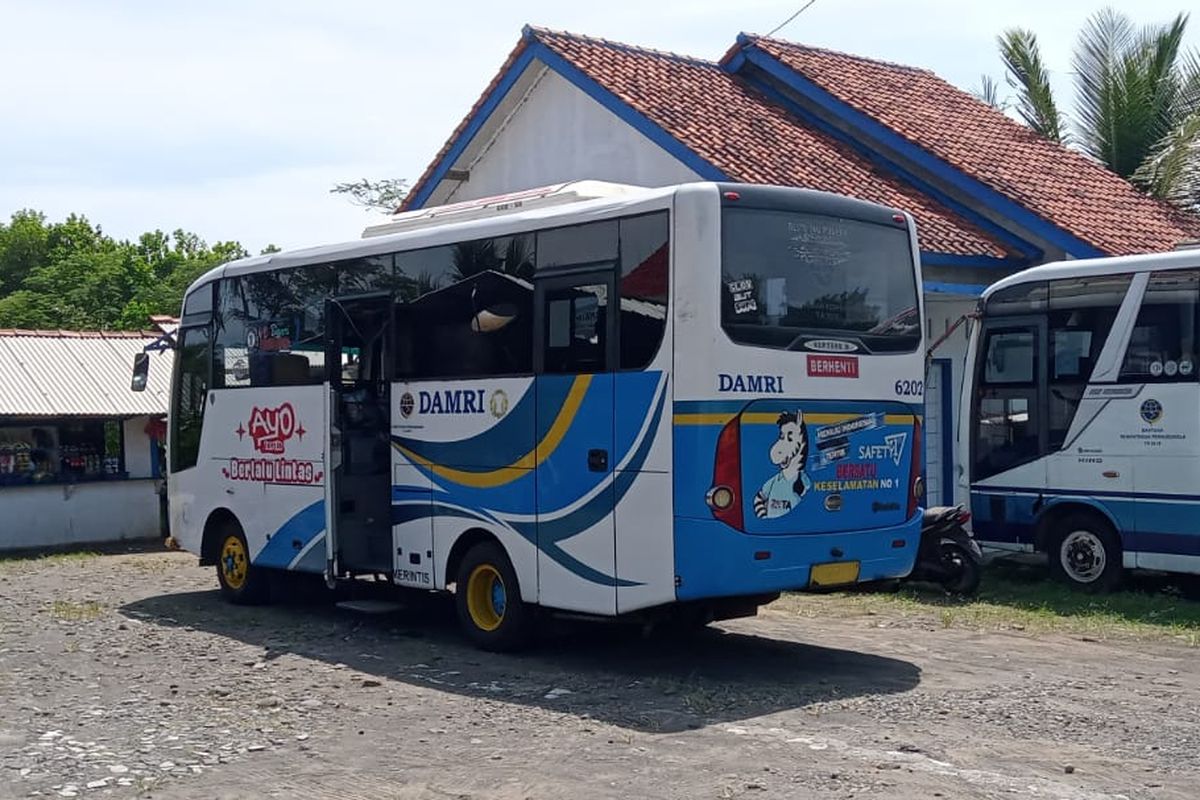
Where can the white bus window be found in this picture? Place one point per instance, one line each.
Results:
(1082, 312)
(1010, 357)
(576, 329)
(192, 359)
(1007, 434)
(365, 275)
(593, 243)
(478, 326)
(789, 276)
(644, 287)
(1163, 346)
(270, 327)
(1024, 298)
(1007, 417)
(198, 303)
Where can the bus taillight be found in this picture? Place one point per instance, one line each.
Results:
(916, 482)
(725, 496)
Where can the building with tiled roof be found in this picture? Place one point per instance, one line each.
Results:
(989, 195)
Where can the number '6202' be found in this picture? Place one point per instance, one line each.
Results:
(910, 388)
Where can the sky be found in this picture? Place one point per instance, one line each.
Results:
(234, 118)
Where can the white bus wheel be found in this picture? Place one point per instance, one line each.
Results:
(1086, 554)
(488, 599)
(241, 582)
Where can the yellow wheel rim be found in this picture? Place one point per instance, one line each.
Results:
(486, 597)
(234, 564)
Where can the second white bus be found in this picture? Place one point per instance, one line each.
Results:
(1082, 437)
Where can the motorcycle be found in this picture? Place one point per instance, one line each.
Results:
(948, 554)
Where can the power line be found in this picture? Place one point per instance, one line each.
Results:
(785, 23)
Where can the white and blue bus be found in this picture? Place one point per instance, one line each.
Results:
(632, 401)
(1083, 437)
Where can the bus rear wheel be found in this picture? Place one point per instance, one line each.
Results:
(488, 599)
(241, 582)
(1086, 554)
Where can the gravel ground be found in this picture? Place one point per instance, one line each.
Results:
(127, 676)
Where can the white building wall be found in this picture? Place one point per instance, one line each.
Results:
(64, 514)
(941, 312)
(138, 461)
(559, 134)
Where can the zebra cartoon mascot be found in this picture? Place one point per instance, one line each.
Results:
(783, 490)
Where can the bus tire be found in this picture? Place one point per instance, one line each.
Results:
(488, 599)
(241, 582)
(1085, 553)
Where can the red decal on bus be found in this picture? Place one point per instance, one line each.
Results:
(270, 428)
(832, 366)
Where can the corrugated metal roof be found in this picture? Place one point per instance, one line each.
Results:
(79, 373)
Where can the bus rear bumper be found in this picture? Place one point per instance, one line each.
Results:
(714, 560)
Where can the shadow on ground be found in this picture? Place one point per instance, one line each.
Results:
(612, 673)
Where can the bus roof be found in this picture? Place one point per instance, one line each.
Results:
(502, 205)
(1175, 259)
(572, 203)
(455, 229)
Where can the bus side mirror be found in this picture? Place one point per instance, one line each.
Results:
(141, 372)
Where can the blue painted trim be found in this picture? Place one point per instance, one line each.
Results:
(535, 50)
(986, 262)
(941, 287)
(1027, 249)
(1182, 498)
(155, 466)
(947, 380)
(626, 113)
(735, 63)
(421, 195)
(934, 165)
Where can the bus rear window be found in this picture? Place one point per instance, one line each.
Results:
(790, 277)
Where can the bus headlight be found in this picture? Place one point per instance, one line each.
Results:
(719, 498)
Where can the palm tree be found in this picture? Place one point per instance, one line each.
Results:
(1137, 100)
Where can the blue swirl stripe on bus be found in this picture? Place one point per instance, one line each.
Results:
(280, 550)
(547, 534)
(509, 489)
(506, 504)
(506, 442)
(546, 531)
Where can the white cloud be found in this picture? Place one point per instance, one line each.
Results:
(234, 118)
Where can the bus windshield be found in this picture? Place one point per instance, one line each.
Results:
(791, 277)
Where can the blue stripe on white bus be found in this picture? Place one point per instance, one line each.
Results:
(1151, 523)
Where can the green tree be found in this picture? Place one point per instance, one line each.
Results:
(1137, 103)
(71, 274)
(385, 194)
(24, 245)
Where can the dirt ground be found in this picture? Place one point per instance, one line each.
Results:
(127, 676)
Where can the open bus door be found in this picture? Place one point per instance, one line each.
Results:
(358, 485)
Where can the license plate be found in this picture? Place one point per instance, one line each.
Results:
(836, 574)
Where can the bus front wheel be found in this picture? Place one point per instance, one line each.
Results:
(241, 582)
(488, 599)
(1086, 554)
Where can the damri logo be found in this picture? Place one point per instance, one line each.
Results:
(452, 401)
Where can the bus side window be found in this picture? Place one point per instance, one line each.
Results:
(644, 287)
(1007, 422)
(1081, 314)
(193, 359)
(1163, 346)
(577, 329)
